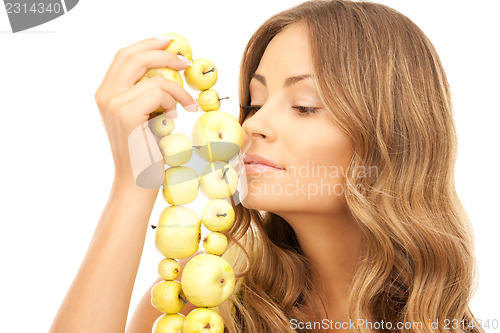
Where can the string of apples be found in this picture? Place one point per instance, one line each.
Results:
(207, 279)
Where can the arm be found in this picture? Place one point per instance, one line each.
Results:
(99, 297)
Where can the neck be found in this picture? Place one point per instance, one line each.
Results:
(332, 244)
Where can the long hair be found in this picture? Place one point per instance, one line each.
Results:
(383, 84)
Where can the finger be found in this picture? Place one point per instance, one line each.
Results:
(175, 90)
(137, 65)
(138, 109)
(131, 62)
(148, 44)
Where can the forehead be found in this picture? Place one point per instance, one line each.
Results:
(288, 53)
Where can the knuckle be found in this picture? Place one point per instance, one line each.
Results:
(123, 53)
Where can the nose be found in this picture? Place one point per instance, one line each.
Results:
(259, 126)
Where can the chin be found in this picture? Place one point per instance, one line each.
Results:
(264, 203)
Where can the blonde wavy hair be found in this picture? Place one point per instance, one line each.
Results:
(384, 85)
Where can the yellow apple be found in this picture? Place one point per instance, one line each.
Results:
(209, 100)
(217, 136)
(180, 185)
(167, 73)
(201, 75)
(167, 296)
(215, 243)
(162, 125)
(218, 180)
(207, 280)
(169, 269)
(178, 233)
(176, 149)
(169, 323)
(202, 320)
(179, 45)
(218, 215)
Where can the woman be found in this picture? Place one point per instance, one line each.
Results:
(358, 222)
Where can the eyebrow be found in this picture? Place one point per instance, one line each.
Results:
(288, 82)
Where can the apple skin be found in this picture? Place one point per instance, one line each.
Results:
(218, 180)
(169, 269)
(215, 243)
(209, 100)
(218, 135)
(169, 323)
(179, 45)
(167, 73)
(194, 74)
(176, 149)
(180, 185)
(202, 320)
(207, 280)
(225, 218)
(162, 125)
(166, 296)
(178, 233)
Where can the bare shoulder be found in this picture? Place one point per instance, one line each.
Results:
(145, 314)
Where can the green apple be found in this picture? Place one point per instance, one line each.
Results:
(209, 100)
(180, 185)
(178, 233)
(169, 269)
(218, 180)
(207, 280)
(169, 323)
(218, 215)
(215, 243)
(203, 320)
(162, 125)
(201, 75)
(167, 296)
(176, 149)
(179, 45)
(217, 136)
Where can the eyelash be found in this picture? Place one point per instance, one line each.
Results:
(302, 110)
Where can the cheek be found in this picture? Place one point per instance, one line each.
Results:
(318, 173)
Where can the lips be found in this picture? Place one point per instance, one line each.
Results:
(252, 158)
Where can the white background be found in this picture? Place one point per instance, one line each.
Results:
(56, 167)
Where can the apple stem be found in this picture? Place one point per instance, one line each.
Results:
(183, 300)
(211, 70)
(197, 147)
(207, 325)
(219, 215)
(227, 97)
(224, 174)
(153, 226)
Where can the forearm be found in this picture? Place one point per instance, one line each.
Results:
(99, 297)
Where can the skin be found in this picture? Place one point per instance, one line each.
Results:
(305, 146)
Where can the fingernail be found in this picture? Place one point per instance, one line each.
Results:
(184, 59)
(192, 107)
(164, 37)
(171, 114)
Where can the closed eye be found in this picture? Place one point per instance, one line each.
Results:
(301, 110)
(305, 110)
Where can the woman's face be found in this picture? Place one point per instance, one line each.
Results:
(292, 129)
